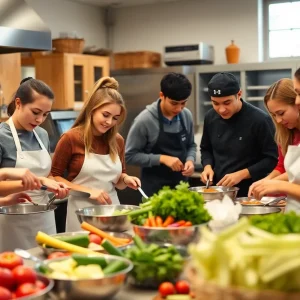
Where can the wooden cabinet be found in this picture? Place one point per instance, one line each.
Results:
(10, 75)
(71, 76)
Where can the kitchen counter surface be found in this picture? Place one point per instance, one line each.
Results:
(126, 293)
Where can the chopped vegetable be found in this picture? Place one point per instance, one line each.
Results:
(84, 260)
(111, 249)
(114, 267)
(78, 240)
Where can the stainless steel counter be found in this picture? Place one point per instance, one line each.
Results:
(127, 292)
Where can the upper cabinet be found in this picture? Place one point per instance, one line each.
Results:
(71, 76)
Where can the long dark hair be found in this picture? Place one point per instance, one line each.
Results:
(25, 93)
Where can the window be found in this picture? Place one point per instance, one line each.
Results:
(282, 24)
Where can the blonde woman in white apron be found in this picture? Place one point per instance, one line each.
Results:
(92, 152)
(21, 146)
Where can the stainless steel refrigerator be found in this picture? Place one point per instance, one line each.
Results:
(140, 87)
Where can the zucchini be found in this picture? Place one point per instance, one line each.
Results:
(78, 240)
(111, 249)
(83, 260)
(114, 267)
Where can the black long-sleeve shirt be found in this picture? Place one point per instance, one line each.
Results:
(246, 140)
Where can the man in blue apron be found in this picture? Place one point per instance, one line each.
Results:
(161, 138)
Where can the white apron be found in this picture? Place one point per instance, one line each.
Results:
(17, 231)
(292, 167)
(98, 172)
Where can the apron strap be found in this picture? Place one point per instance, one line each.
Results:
(14, 134)
(39, 141)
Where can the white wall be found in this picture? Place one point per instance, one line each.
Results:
(65, 16)
(216, 22)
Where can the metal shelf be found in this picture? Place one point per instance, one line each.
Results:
(258, 87)
(207, 103)
(255, 99)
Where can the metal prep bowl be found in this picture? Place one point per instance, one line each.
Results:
(102, 288)
(249, 211)
(153, 282)
(25, 209)
(231, 192)
(263, 200)
(47, 251)
(171, 235)
(43, 294)
(101, 216)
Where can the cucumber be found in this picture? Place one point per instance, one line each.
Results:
(114, 267)
(83, 260)
(78, 240)
(111, 249)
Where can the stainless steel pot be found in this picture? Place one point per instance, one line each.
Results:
(248, 211)
(231, 192)
(25, 209)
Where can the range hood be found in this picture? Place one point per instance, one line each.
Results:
(21, 29)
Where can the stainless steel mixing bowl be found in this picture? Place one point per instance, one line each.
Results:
(25, 209)
(102, 288)
(231, 192)
(249, 211)
(47, 251)
(101, 216)
(172, 235)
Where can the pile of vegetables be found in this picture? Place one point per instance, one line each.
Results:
(278, 223)
(246, 256)
(178, 205)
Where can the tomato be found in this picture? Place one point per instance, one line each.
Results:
(182, 287)
(58, 254)
(10, 260)
(94, 238)
(23, 274)
(6, 278)
(40, 284)
(5, 294)
(166, 288)
(26, 289)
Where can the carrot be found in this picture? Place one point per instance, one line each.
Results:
(169, 220)
(188, 223)
(152, 222)
(103, 234)
(159, 221)
(181, 222)
(147, 223)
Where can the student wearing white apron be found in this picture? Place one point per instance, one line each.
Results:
(23, 148)
(92, 152)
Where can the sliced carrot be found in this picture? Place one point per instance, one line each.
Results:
(169, 220)
(152, 221)
(159, 221)
(103, 234)
(181, 222)
(188, 223)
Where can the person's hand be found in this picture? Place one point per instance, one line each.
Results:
(231, 179)
(254, 184)
(265, 187)
(101, 196)
(188, 169)
(207, 173)
(60, 189)
(132, 182)
(29, 180)
(173, 163)
(14, 199)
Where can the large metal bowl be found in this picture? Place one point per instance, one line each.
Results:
(231, 192)
(47, 251)
(249, 211)
(102, 288)
(171, 235)
(153, 282)
(101, 216)
(25, 209)
(43, 294)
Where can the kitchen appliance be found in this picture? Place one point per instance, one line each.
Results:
(193, 54)
(21, 29)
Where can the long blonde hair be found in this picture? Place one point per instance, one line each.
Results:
(105, 92)
(281, 91)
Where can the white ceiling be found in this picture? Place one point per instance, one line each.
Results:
(121, 3)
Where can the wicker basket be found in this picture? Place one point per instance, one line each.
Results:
(68, 45)
(141, 59)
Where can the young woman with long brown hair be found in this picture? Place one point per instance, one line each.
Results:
(92, 151)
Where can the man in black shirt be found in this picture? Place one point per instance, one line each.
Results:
(237, 146)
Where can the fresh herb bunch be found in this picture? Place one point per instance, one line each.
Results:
(180, 203)
(278, 223)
